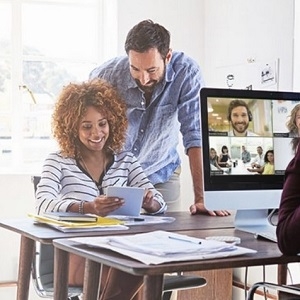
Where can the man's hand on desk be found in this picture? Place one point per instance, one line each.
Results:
(200, 208)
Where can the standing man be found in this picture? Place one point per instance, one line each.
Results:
(162, 90)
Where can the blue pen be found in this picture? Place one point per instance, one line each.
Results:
(184, 240)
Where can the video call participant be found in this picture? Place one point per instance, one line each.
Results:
(246, 157)
(293, 126)
(268, 167)
(258, 160)
(213, 160)
(239, 116)
(224, 157)
(161, 88)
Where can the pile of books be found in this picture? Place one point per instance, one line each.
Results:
(75, 222)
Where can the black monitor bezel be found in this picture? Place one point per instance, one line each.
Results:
(237, 182)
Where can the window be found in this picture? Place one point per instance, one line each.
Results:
(45, 45)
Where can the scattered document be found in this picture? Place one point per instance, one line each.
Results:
(102, 224)
(161, 246)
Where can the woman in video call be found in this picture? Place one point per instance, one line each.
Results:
(268, 167)
(293, 126)
(224, 157)
(213, 159)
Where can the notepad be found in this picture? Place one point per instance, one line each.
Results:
(133, 197)
(102, 224)
(71, 216)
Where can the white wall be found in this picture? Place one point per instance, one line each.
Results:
(215, 33)
(238, 31)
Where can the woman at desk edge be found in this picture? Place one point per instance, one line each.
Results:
(89, 124)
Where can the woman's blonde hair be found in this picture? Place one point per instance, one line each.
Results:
(71, 106)
(291, 124)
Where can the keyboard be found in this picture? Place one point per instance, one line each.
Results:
(268, 235)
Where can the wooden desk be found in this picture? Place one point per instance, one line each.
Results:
(31, 233)
(268, 254)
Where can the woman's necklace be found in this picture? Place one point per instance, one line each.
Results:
(93, 175)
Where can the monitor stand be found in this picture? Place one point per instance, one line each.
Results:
(254, 221)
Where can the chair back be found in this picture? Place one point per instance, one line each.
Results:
(43, 266)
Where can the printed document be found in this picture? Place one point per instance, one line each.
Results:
(158, 247)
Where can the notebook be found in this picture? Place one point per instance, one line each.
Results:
(71, 216)
(133, 197)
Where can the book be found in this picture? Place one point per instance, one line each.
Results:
(101, 224)
(71, 216)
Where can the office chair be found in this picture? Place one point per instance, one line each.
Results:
(285, 292)
(43, 270)
(42, 273)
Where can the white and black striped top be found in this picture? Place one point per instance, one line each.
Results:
(63, 182)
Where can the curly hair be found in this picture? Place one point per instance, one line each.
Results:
(291, 124)
(71, 106)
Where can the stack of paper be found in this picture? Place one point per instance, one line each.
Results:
(102, 224)
(161, 246)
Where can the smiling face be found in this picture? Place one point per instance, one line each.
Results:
(147, 68)
(270, 157)
(213, 153)
(239, 120)
(93, 130)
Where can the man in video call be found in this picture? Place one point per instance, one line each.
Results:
(239, 116)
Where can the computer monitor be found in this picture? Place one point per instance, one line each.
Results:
(259, 121)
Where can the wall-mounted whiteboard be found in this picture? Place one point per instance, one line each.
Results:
(252, 75)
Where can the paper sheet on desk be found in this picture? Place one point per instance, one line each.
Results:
(161, 246)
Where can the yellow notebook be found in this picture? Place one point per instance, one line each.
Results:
(102, 223)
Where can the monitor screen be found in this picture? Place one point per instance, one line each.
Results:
(247, 143)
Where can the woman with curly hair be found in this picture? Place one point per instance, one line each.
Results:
(89, 124)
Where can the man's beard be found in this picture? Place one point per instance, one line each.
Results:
(244, 129)
(147, 88)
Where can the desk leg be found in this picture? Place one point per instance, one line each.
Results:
(282, 274)
(91, 280)
(61, 272)
(153, 287)
(25, 262)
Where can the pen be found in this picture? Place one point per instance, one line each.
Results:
(138, 219)
(184, 240)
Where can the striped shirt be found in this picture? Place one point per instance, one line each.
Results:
(63, 182)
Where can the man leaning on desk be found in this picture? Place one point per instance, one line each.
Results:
(160, 88)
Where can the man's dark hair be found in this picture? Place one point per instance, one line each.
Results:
(146, 35)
